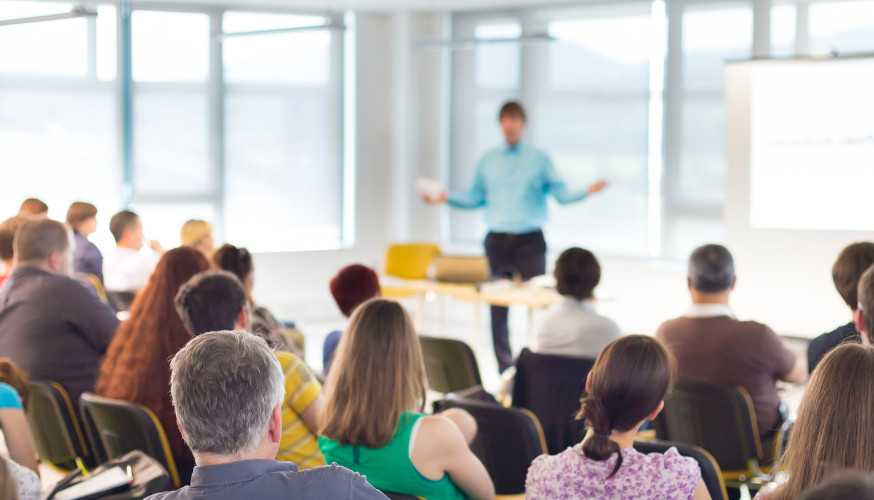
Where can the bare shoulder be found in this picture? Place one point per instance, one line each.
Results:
(440, 434)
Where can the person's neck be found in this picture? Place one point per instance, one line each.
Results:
(206, 459)
(42, 266)
(623, 439)
(705, 298)
(124, 244)
(514, 144)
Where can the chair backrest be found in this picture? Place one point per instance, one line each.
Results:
(409, 261)
(717, 418)
(400, 496)
(551, 387)
(710, 472)
(120, 301)
(56, 430)
(508, 440)
(450, 365)
(122, 427)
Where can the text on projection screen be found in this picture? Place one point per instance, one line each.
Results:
(812, 145)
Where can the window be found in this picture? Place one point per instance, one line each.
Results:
(841, 27)
(783, 23)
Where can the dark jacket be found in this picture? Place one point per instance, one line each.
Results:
(87, 259)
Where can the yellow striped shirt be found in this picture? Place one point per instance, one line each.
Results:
(298, 443)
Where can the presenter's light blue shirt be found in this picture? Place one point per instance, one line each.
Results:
(512, 185)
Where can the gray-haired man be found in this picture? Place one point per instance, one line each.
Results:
(227, 390)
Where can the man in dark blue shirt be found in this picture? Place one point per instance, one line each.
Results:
(227, 390)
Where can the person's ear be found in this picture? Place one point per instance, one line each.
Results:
(589, 382)
(733, 283)
(179, 425)
(55, 261)
(655, 413)
(689, 283)
(243, 318)
(274, 430)
(859, 319)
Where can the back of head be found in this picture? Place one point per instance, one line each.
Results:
(629, 380)
(378, 373)
(711, 269)
(577, 273)
(79, 212)
(12, 374)
(8, 228)
(843, 487)
(353, 286)
(835, 425)
(33, 206)
(37, 239)
(852, 262)
(865, 293)
(234, 260)
(514, 109)
(121, 221)
(225, 386)
(194, 231)
(210, 302)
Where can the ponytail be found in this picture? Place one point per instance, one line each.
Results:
(599, 446)
(631, 377)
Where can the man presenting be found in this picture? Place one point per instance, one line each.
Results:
(511, 183)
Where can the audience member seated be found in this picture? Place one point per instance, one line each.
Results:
(372, 422)
(216, 300)
(228, 389)
(127, 268)
(573, 328)
(848, 269)
(351, 287)
(239, 262)
(82, 218)
(864, 314)
(7, 253)
(19, 474)
(833, 429)
(846, 486)
(712, 346)
(628, 385)
(33, 207)
(51, 326)
(137, 364)
(198, 235)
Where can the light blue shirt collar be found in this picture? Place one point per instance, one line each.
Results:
(517, 149)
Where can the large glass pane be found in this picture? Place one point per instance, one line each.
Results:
(163, 221)
(284, 58)
(842, 27)
(783, 21)
(600, 54)
(60, 146)
(497, 63)
(107, 36)
(710, 38)
(54, 49)
(686, 233)
(702, 163)
(170, 144)
(170, 46)
(238, 22)
(282, 171)
(591, 140)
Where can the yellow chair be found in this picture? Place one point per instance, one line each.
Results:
(408, 261)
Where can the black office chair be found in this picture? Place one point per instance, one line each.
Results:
(450, 365)
(509, 439)
(551, 387)
(710, 472)
(721, 420)
(56, 430)
(120, 301)
(121, 427)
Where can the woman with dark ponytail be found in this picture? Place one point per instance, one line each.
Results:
(627, 386)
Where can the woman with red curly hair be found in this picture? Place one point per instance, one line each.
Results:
(137, 364)
(351, 287)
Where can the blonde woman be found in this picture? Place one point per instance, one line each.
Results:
(835, 423)
(198, 234)
(372, 421)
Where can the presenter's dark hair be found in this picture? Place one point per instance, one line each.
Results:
(210, 301)
(577, 273)
(512, 108)
(630, 378)
(711, 269)
(121, 221)
(848, 269)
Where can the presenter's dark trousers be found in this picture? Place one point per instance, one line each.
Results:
(511, 255)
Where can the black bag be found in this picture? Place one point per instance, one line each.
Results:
(149, 477)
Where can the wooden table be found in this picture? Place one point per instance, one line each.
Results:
(534, 298)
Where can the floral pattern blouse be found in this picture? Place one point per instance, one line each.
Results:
(570, 475)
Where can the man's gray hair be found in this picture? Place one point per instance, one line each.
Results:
(711, 269)
(224, 387)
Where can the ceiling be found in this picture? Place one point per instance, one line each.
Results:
(373, 5)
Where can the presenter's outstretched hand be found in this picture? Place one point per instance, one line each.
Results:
(435, 200)
(594, 188)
